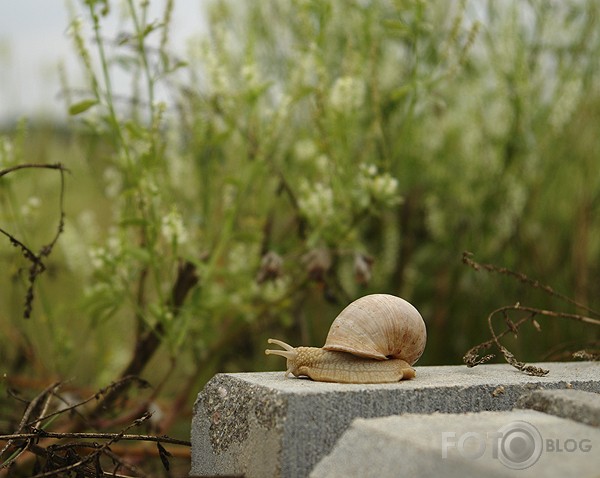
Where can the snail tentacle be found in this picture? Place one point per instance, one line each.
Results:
(289, 352)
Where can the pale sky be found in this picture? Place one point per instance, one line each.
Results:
(34, 39)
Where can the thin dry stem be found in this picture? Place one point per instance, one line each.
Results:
(37, 266)
(39, 433)
(472, 358)
(467, 259)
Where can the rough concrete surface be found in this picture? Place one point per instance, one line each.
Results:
(489, 444)
(583, 407)
(264, 424)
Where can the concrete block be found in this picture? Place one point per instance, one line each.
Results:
(583, 407)
(522, 443)
(265, 425)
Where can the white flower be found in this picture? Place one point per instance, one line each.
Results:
(323, 163)
(305, 150)
(31, 206)
(115, 245)
(109, 255)
(316, 202)
(173, 229)
(347, 94)
(385, 188)
(98, 256)
(74, 245)
(274, 290)
(368, 170)
(382, 188)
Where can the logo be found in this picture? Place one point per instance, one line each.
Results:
(517, 445)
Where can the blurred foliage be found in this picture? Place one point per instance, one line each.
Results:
(305, 153)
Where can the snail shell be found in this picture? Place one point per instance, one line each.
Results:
(375, 339)
(379, 326)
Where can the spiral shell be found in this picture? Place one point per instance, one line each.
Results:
(379, 326)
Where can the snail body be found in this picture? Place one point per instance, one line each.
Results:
(376, 339)
(330, 366)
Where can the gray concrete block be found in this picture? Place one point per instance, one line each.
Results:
(583, 407)
(521, 443)
(263, 424)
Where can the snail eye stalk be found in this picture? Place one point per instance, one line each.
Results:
(289, 352)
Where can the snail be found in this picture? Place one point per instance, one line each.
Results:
(375, 339)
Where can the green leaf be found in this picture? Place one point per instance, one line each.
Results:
(151, 27)
(82, 106)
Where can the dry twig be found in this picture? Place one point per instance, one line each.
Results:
(37, 265)
(74, 455)
(472, 358)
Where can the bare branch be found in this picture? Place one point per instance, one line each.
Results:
(39, 433)
(472, 358)
(467, 259)
(37, 266)
(58, 166)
